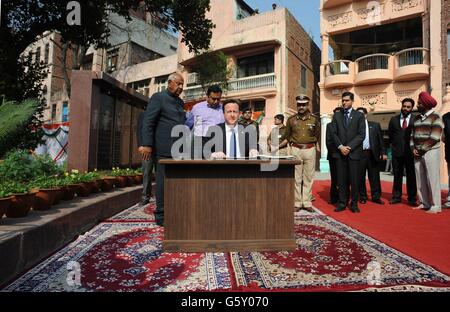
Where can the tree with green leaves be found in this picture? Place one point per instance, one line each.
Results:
(212, 69)
(23, 21)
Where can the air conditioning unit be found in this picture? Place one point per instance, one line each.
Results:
(192, 78)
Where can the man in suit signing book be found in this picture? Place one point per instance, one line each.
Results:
(233, 140)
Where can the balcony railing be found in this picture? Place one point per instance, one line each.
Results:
(413, 56)
(252, 82)
(337, 68)
(373, 62)
(258, 20)
(237, 84)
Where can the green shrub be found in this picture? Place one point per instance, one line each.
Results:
(44, 183)
(44, 165)
(8, 188)
(17, 166)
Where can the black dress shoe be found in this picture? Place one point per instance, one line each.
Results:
(395, 201)
(378, 201)
(159, 223)
(339, 208)
(355, 209)
(362, 201)
(412, 203)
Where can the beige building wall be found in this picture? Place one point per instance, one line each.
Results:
(408, 72)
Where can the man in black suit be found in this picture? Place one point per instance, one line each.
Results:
(230, 139)
(334, 194)
(164, 112)
(374, 152)
(399, 130)
(348, 132)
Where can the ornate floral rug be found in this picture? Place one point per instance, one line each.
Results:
(331, 256)
(127, 256)
(136, 213)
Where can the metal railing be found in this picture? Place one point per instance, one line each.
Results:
(413, 56)
(339, 67)
(237, 84)
(372, 62)
(252, 82)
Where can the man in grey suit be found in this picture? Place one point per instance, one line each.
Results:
(348, 132)
(163, 113)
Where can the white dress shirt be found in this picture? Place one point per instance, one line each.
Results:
(228, 133)
(407, 120)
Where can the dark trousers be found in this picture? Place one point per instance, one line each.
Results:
(348, 176)
(334, 195)
(368, 164)
(399, 165)
(147, 171)
(160, 175)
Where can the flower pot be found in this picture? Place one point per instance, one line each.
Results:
(98, 185)
(84, 189)
(121, 181)
(20, 205)
(44, 199)
(58, 196)
(5, 202)
(138, 179)
(108, 184)
(69, 191)
(130, 180)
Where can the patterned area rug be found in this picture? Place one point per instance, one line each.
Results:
(331, 256)
(127, 256)
(136, 213)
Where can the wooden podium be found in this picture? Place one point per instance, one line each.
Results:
(228, 205)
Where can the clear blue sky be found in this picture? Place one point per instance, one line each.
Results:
(305, 11)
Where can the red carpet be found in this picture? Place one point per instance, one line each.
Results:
(423, 236)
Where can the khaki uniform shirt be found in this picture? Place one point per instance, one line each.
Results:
(281, 136)
(302, 129)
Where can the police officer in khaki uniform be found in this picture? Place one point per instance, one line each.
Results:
(279, 134)
(247, 120)
(302, 133)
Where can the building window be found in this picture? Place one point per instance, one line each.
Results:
(161, 83)
(53, 112)
(111, 60)
(142, 86)
(255, 65)
(65, 112)
(303, 77)
(38, 55)
(46, 53)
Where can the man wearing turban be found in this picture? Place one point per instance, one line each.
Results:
(425, 144)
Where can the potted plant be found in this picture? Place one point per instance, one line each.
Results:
(139, 177)
(85, 182)
(121, 179)
(47, 190)
(5, 198)
(22, 201)
(68, 187)
(107, 181)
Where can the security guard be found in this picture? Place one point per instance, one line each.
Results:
(302, 133)
(279, 137)
(246, 120)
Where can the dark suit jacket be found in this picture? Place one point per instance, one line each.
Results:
(164, 111)
(352, 136)
(376, 140)
(446, 131)
(244, 137)
(329, 141)
(399, 138)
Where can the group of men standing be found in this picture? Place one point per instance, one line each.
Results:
(355, 146)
